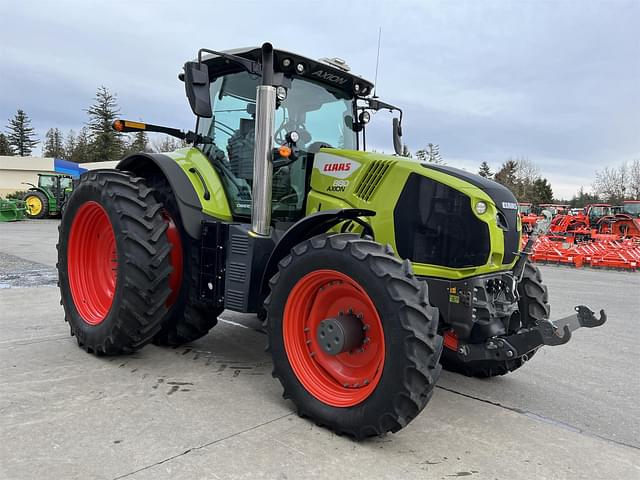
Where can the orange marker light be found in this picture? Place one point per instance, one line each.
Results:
(284, 151)
(118, 125)
(136, 125)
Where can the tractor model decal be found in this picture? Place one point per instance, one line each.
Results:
(338, 186)
(330, 77)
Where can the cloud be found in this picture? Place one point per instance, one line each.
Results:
(554, 81)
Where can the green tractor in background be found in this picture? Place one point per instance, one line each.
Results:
(48, 198)
(369, 270)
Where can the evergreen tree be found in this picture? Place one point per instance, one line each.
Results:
(106, 144)
(542, 192)
(430, 154)
(139, 142)
(82, 147)
(53, 144)
(406, 152)
(485, 171)
(5, 148)
(507, 175)
(70, 144)
(21, 135)
(582, 199)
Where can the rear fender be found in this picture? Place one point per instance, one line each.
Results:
(147, 164)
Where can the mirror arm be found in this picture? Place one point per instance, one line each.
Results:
(250, 66)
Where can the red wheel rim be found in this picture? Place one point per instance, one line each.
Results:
(92, 263)
(341, 380)
(175, 279)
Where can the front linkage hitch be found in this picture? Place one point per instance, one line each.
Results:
(528, 340)
(544, 333)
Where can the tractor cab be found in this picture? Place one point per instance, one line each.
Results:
(56, 184)
(318, 104)
(631, 207)
(524, 208)
(597, 211)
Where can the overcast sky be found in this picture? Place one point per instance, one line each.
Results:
(557, 82)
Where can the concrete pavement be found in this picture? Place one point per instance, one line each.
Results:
(211, 409)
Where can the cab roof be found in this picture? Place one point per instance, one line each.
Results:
(333, 72)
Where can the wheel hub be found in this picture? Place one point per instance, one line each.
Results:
(339, 334)
(345, 373)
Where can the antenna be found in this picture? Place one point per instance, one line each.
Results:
(375, 81)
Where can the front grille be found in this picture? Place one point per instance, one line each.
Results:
(372, 178)
(502, 197)
(434, 224)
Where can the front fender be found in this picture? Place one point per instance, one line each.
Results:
(309, 226)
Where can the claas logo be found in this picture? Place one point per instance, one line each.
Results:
(337, 167)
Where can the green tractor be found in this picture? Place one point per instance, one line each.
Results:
(48, 198)
(370, 271)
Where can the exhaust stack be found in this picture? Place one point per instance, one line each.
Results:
(262, 166)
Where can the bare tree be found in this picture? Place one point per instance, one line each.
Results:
(610, 183)
(167, 144)
(527, 173)
(633, 179)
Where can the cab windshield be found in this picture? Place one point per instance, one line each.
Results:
(599, 211)
(632, 209)
(320, 115)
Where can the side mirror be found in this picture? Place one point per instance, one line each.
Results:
(397, 136)
(196, 85)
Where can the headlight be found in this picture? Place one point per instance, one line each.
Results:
(481, 207)
(293, 136)
(365, 117)
(281, 93)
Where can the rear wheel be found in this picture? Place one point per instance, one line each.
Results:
(533, 306)
(352, 335)
(113, 263)
(37, 204)
(188, 319)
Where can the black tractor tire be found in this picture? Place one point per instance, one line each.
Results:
(188, 318)
(533, 306)
(44, 212)
(409, 323)
(140, 248)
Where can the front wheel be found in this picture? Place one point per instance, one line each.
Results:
(352, 335)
